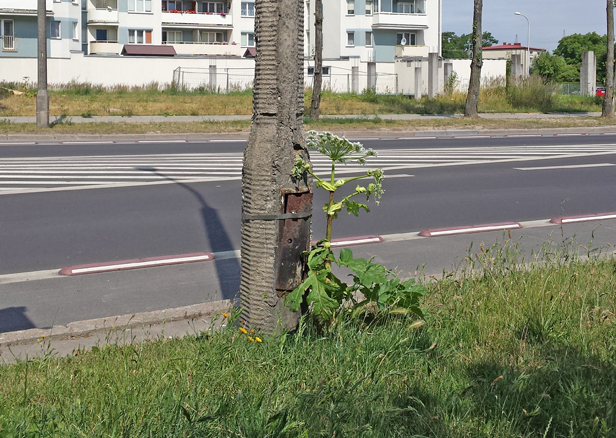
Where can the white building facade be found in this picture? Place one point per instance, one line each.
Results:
(383, 45)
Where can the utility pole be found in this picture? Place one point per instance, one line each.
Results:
(42, 96)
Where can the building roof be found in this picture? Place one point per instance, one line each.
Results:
(514, 46)
(148, 50)
(250, 52)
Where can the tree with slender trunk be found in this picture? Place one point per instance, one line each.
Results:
(42, 96)
(472, 98)
(276, 139)
(315, 104)
(608, 100)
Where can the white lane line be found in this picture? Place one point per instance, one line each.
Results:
(571, 166)
(571, 220)
(143, 264)
(337, 243)
(151, 177)
(239, 140)
(162, 141)
(463, 230)
(414, 138)
(91, 185)
(87, 142)
(400, 175)
(524, 135)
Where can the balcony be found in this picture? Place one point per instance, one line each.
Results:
(103, 16)
(9, 44)
(105, 48)
(207, 49)
(399, 21)
(196, 19)
(412, 51)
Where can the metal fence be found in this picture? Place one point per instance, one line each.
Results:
(570, 88)
(224, 80)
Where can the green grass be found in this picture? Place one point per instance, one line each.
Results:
(508, 352)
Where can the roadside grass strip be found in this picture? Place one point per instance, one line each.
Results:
(505, 350)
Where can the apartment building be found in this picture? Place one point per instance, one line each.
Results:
(18, 28)
(377, 30)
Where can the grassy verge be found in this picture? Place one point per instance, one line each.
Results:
(508, 353)
(86, 100)
(324, 124)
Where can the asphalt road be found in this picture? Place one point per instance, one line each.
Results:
(69, 204)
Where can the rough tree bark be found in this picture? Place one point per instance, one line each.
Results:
(472, 98)
(315, 104)
(608, 100)
(42, 95)
(275, 140)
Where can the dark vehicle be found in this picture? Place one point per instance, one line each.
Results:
(600, 92)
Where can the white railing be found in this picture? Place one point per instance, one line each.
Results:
(9, 44)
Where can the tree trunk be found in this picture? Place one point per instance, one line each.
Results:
(472, 98)
(275, 140)
(608, 100)
(42, 96)
(315, 105)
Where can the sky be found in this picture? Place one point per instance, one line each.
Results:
(548, 19)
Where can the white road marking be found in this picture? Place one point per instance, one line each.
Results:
(474, 229)
(144, 264)
(588, 218)
(571, 166)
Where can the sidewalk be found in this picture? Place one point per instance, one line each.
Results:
(163, 119)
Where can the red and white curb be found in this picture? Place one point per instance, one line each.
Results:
(351, 241)
(583, 218)
(335, 243)
(436, 232)
(136, 264)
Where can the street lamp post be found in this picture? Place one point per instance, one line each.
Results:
(527, 43)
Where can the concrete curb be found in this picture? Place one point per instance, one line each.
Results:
(114, 324)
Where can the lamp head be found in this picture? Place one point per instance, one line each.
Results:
(517, 13)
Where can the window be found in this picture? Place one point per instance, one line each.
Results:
(411, 7)
(140, 5)
(55, 30)
(212, 7)
(350, 7)
(137, 36)
(101, 35)
(324, 71)
(75, 30)
(369, 7)
(368, 39)
(172, 36)
(407, 39)
(350, 39)
(248, 9)
(213, 37)
(248, 39)
(7, 35)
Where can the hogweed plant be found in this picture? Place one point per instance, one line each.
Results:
(323, 291)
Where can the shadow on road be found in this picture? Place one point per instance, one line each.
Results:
(227, 270)
(13, 319)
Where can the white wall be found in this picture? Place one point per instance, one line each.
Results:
(395, 77)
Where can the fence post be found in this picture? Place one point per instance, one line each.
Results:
(227, 72)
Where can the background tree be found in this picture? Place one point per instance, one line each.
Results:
(554, 68)
(608, 100)
(571, 48)
(276, 139)
(459, 47)
(471, 109)
(315, 104)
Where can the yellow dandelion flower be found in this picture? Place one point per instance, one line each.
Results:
(250, 339)
(258, 340)
(243, 330)
(225, 315)
(42, 336)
